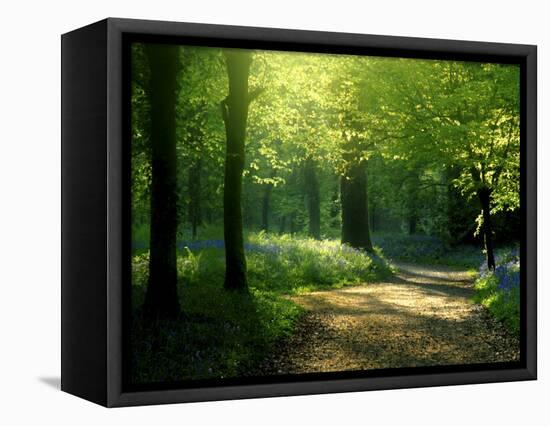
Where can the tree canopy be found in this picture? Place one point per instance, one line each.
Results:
(326, 145)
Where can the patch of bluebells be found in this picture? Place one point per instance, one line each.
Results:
(264, 248)
(508, 278)
(215, 244)
(201, 244)
(409, 246)
(507, 271)
(424, 248)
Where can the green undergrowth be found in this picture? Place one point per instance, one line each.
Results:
(225, 334)
(284, 264)
(499, 290)
(220, 334)
(504, 306)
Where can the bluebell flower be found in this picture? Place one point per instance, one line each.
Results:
(507, 272)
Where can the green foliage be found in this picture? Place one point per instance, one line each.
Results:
(226, 334)
(499, 290)
(432, 132)
(503, 305)
(280, 264)
(287, 264)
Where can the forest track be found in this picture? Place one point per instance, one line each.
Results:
(423, 316)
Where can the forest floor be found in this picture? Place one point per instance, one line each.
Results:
(423, 316)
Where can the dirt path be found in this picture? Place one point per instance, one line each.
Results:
(421, 317)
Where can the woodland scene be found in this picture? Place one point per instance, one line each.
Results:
(298, 213)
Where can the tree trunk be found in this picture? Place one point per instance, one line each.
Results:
(282, 224)
(413, 220)
(161, 299)
(265, 208)
(335, 207)
(313, 199)
(485, 199)
(266, 201)
(195, 216)
(410, 190)
(355, 216)
(235, 114)
(292, 224)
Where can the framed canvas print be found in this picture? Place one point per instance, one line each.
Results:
(253, 212)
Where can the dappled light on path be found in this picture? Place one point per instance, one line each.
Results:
(421, 317)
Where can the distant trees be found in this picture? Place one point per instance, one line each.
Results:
(474, 109)
(195, 215)
(313, 198)
(266, 202)
(482, 133)
(199, 132)
(459, 120)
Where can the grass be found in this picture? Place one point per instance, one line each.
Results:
(499, 291)
(227, 334)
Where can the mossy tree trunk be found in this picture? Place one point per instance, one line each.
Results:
(355, 212)
(235, 113)
(161, 299)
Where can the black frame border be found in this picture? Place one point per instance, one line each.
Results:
(120, 32)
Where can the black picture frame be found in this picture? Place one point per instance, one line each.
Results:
(95, 208)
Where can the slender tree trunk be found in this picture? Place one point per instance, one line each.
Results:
(413, 220)
(265, 208)
(485, 199)
(335, 207)
(161, 299)
(292, 225)
(313, 198)
(235, 114)
(207, 213)
(195, 216)
(355, 213)
(266, 201)
(411, 200)
(282, 224)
